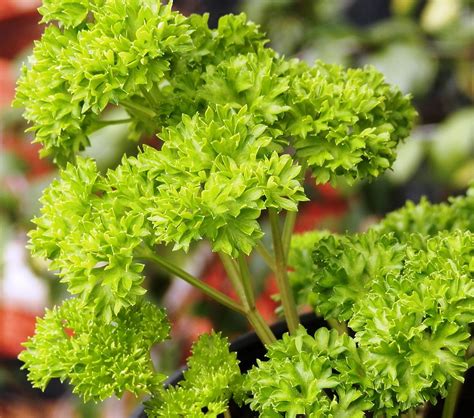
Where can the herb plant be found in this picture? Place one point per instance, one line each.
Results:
(236, 128)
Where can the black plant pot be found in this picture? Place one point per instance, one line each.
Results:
(249, 348)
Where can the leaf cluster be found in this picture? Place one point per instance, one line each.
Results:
(234, 125)
(212, 376)
(408, 298)
(309, 376)
(91, 235)
(227, 112)
(99, 359)
(346, 123)
(159, 65)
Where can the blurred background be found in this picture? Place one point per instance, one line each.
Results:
(426, 47)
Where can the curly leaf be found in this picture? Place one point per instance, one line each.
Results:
(99, 359)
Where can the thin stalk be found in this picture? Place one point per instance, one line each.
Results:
(287, 299)
(233, 274)
(470, 363)
(451, 400)
(194, 281)
(113, 122)
(246, 280)
(288, 226)
(227, 414)
(142, 110)
(340, 327)
(244, 289)
(290, 219)
(148, 96)
(265, 254)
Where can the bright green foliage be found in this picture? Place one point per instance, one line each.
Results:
(344, 267)
(317, 377)
(413, 327)
(99, 359)
(110, 51)
(92, 226)
(408, 297)
(90, 233)
(212, 376)
(226, 176)
(159, 65)
(59, 123)
(69, 13)
(346, 124)
(428, 219)
(257, 80)
(234, 125)
(302, 271)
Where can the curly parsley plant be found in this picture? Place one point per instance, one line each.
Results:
(234, 128)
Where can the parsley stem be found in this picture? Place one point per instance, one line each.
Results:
(470, 363)
(340, 327)
(265, 254)
(246, 280)
(227, 414)
(194, 281)
(287, 299)
(243, 287)
(138, 108)
(233, 275)
(288, 226)
(150, 99)
(113, 122)
(290, 219)
(451, 400)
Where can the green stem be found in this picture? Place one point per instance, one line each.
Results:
(242, 286)
(290, 219)
(194, 281)
(340, 327)
(287, 299)
(227, 414)
(246, 280)
(265, 254)
(287, 233)
(113, 122)
(233, 274)
(138, 108)
(450, 402)
(151, 100)
(470, 363)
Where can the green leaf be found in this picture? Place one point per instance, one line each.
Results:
(99, 359)
(306, 375)
(211, 378)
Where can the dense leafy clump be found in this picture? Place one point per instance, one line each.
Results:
(346, 124)
(314, 377)
(90, 233)
(233, 126)
(344, 266)
(223, 106)
(227, 175)
(428, 219)
(158, 65)
(93, 226)
(99, 359)
(408, 297)
(212, 376)
(413, 326)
